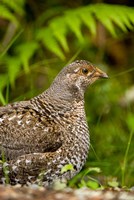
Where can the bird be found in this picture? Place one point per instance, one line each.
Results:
(40, 136)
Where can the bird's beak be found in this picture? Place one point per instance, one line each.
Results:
(99, 73)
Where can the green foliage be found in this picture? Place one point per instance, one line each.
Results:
(89, 184)
(111, 128)
(130, 122)
(113, 184)
(8, 7)
(25, 51)
(68, 167)
(84, 179)
(121, 18)
(5, 168)
(53, 36)
(45, 35)
(72, 20)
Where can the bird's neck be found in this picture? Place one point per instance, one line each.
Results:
(59, 101)
(63, 93)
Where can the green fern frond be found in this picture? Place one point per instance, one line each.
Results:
(88, 19)
(122, 20)
(13, 68)
(8, 7)
(14, 5)
(25, 51)
(73, 20)
(3, 81)
(119, 17)
(6, 14)
(46, 36)
(60, 34)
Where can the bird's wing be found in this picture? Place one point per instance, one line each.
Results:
(24, 130)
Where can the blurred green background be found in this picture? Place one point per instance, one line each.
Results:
(37, 38)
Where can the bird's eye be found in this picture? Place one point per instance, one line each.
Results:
(84, 70)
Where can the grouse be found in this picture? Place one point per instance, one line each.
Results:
(40, 136)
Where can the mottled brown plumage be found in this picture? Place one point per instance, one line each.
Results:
(40, 136)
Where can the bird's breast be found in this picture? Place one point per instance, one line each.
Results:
(75, 138)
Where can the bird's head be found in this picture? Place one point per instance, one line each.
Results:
(76, 77)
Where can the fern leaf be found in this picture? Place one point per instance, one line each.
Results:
(45, 35)
(119, 17)
(2, 99)
(130, 15)
(3, 81)
(103, 17)
(88, 19)
(59, 30)
(126, 17)
(6, 14)
(13, 67)
(74, 23)
(26, 51)
(15, 5)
